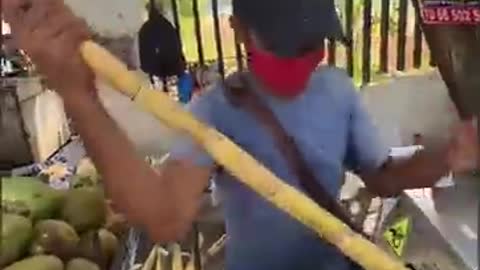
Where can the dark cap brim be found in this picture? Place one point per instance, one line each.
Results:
(288, 28)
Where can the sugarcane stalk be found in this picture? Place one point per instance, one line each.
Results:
(177, 262)
(159, 262)
(218, 246)
(137, 266)
(215, 252)
(151, 259)
(239, 163)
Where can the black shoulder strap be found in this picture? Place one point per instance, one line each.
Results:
(242, 96)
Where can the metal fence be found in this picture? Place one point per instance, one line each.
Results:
(385, 37)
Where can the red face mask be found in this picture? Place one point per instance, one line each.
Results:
(284, 77)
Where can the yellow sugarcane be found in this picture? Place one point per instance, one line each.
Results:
(159, 261)
(177, 263)
(151, 259)
(238, 162)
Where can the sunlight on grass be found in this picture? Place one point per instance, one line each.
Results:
(208, 38)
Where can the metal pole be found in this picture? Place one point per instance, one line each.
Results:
(384, 36)
(478, 140)
(349, 35)
(1, 24)
(218, 38)
(478, 191)
(176, 19)
(198, 32)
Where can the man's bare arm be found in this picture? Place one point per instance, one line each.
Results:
(165, 202)
(423, 170)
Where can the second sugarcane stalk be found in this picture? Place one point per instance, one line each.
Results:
(239, 163)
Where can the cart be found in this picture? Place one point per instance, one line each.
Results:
(33, 124)
(437, 228)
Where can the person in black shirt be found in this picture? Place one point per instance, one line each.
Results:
(160, 47)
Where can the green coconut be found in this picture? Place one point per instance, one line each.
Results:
(84, 209)
(81, 264)
(30, 197)
(54, 237)
(15, 238)
(99, 246)
(41, 262)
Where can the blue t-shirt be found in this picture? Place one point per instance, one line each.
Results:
(334, 132)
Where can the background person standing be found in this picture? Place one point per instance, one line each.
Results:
(160, 48)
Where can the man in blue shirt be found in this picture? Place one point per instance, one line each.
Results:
(320, 109)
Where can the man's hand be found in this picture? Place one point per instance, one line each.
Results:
(51, 35)
(463, 148)
(425, 168)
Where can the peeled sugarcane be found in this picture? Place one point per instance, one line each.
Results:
(238, 162)
(218, 246)
(177, 262)
(155, 259)
(159, 261)
(151, 259)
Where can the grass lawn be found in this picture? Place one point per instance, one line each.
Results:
(208, 38)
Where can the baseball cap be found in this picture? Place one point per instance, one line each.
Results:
(288, 28)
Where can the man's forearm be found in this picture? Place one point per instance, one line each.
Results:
(423, 170)
(166, 202)
(107, 145)
(111, 151)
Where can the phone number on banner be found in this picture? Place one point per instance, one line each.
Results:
(451, 15)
